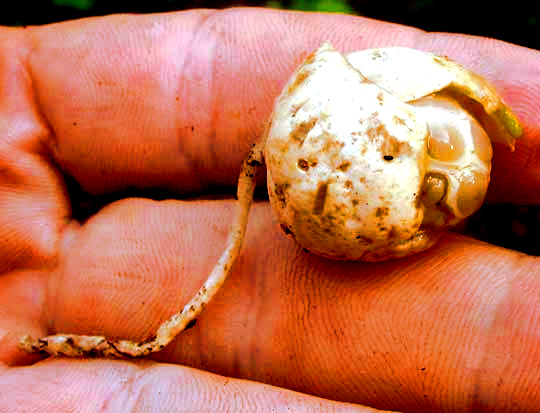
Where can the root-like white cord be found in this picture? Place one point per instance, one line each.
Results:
(78, 345)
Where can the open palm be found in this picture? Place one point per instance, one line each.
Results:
(173, 102)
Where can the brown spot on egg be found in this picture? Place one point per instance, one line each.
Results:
(303, 164)
(442, 61)
(310, 58)
(298, 80)
(344, 166)
(399, 121)
(382, 212)
(285, 229)
(320, 198)
(392, 233)
(280, 191)
(364, 239)
(392, 148)
(377, 131)
(389, 145)
(378, 55)
(301, 130)
(296, 108)
(331, 145)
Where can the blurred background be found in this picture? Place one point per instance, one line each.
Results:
(515, 227)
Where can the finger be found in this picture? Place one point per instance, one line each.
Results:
(175, 100)
(433, 332)
(34, 210)
(65, 385)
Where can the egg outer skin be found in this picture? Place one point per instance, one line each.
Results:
(345, 164)
(411, 74)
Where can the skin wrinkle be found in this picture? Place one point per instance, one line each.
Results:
(250, 322)
(29, 137)
(249, 293)
(482, 345)
(486, 392)
(92, 78)
(221, 112)
(260, 289)
(278, 298)
(220, 108)
(299, 360)
(48, 142)
(217, 51)
(359, 305)
(191, 61)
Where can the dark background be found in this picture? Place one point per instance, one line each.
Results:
(516, 21)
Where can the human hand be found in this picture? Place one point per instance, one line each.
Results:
(174, 102)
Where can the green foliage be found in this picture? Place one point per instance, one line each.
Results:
(76, 4)
(333, 6)
(418, 5)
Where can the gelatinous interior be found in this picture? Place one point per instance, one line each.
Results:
(444, 143)
(458, 145)
(471, 192)
(482, 143)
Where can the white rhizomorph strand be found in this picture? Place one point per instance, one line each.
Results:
(74, 345)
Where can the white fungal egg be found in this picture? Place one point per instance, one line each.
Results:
(374, 164)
